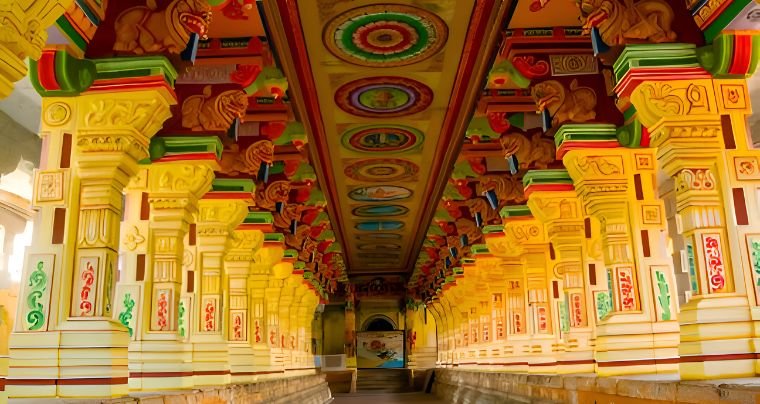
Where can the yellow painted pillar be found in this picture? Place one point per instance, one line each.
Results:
(717, 216)
(219, 213)
(25, 24)
(247, 239)
(618, 187)
(527, 233)
(284, 307)
(90, 152)
(561, 214)
(162, 360)
(265, 283)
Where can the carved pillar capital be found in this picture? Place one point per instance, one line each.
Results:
(25, 24)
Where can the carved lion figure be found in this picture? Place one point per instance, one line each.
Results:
(204, 112)
(536, 152)
(645, 20)
(145, 29)
(576, 106)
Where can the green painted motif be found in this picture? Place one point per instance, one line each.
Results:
(126, 315)
(181, 320)
(754, 246)
(564, 316)
(663, 295)
(610, 295)
(109, 290)
(603, 305)
(37, 282)
(692, 268)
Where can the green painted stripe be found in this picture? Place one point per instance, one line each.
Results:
(258, 218)
(547, 177)
(277, 237)
(233, 185)
(515, 211)
(71, 33)
(725, 18)
(585, 132)
(493, 228)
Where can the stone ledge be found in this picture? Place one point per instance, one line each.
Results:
(469, 386)
(310, 389)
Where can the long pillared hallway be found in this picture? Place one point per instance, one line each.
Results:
(358, 201)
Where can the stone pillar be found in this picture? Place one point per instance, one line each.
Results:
(618, 187)
(525, 232)
(25, 24)
(716, 214)
(90, 152)
(219, 213)
(265, 291)
(162, 360)
(247, 239)
(558, 208)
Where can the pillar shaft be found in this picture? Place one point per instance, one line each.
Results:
(89, 154)
(617, 186)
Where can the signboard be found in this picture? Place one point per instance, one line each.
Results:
(380, 349)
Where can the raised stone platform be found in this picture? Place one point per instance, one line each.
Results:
(465, 386)
(309, 389)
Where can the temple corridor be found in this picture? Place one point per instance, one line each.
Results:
(315, 201)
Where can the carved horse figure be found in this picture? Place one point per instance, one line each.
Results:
(145, 29)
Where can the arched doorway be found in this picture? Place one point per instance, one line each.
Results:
(378, 322)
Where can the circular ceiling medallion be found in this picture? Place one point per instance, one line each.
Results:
(381, 170)
(385, 35)
(382, 138)
(379, 193)
(379, 246)
(383, 97)
(380, 210)
(380, 225)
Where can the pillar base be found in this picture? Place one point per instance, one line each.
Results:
(717, 339)
(211, 366)
(241, 358)
(160, 365)
(70, 363)
(623, 349)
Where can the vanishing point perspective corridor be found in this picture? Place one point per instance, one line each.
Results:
(362, 201)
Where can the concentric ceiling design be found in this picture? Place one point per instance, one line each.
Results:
(383, 138)
(381, 170)
(380, 210)
(380, 193)
(383, 97)
(385, 35)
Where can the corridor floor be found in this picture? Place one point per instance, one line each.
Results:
(386, 398)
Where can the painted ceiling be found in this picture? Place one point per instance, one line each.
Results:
(385, 88)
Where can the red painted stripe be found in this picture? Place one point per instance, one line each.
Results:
(265, 227)
(187, 157)
(638, 362)
(742, 55)
(87, 381)
(293, 31)
(712, 358)
(137, 375)
(46, 71)
(227, 195)
(475, 37)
